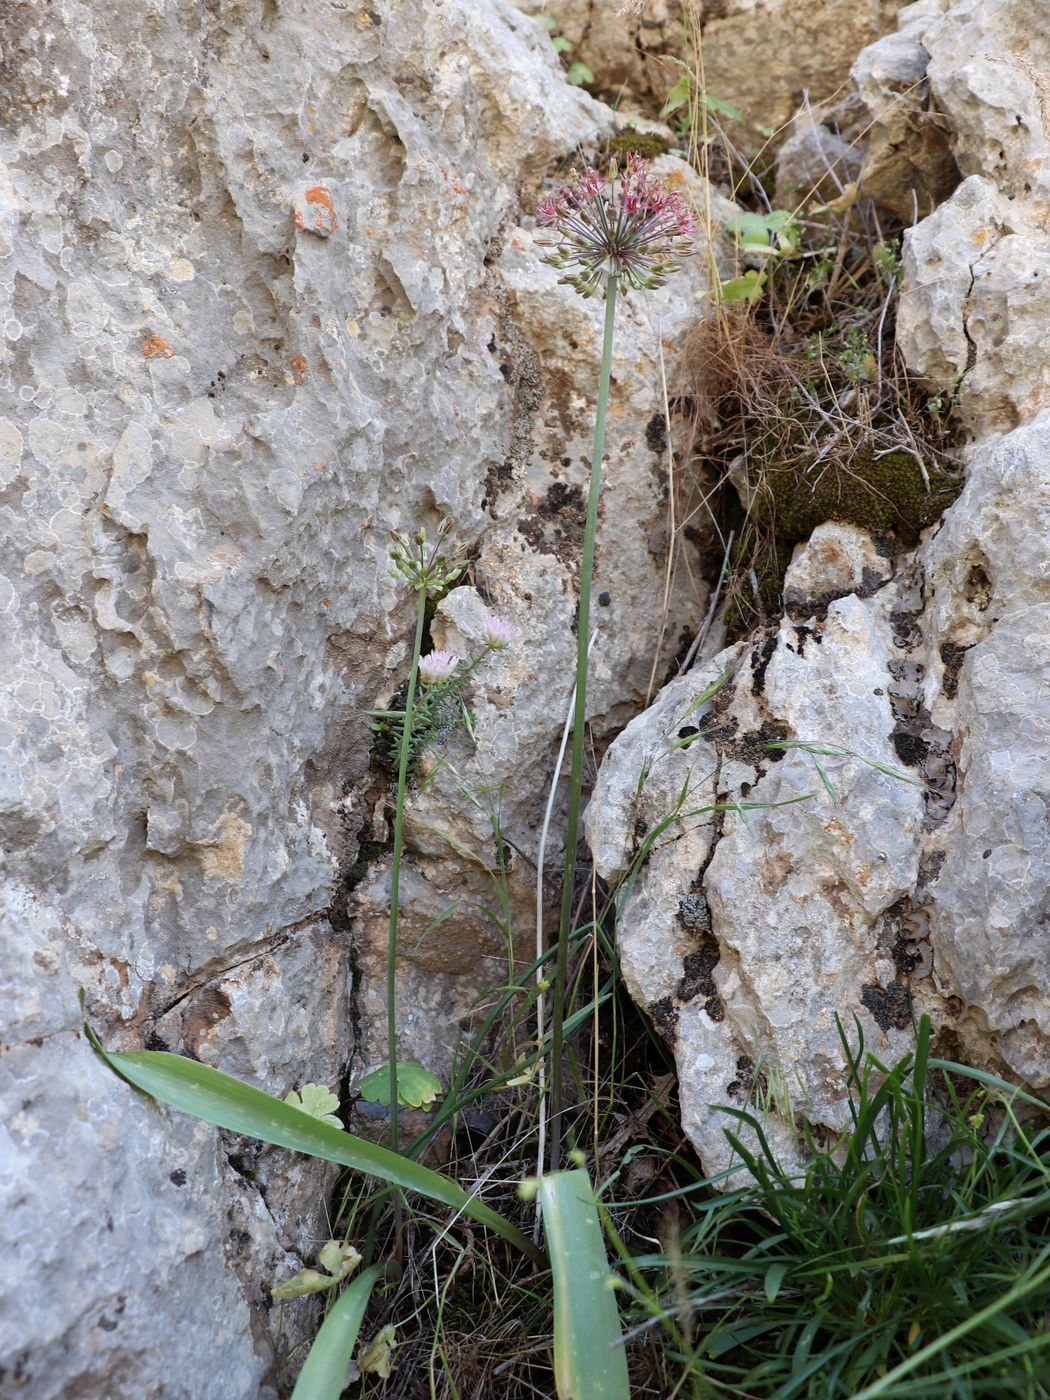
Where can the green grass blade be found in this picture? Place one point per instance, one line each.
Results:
(589, 1358)
(1033, 1280)
(230, 1103)
(323, 1376)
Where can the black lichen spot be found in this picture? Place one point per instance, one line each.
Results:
(178, 1177)
(952, 655)
(715, 1008)
(687, 731)
(693, 911)
(697, 968)
(664, 1015)
(656, 433)
(604, 599)
(740, 1087)
(911, 749)
(753, 747)
(890, 1006)
(905, 956)
(562, 497)
(761, 656)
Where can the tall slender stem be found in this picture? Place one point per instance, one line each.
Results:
(579, 725)
(395, 873)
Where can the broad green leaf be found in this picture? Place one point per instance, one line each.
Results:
(230, 1103)
(721, 108)
(416, 1086)
(545, 22)
(589, 1358)
(317, 1101)
(678, 95)
(561, 44)
(579, 74)
(750, 229)
(744, 288)
(323, 1376)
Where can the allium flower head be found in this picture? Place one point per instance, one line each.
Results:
(499, 633)
(626, 226)
(438, 666)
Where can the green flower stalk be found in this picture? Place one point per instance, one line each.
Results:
(432, 703)
(430, 574)
(608, 233)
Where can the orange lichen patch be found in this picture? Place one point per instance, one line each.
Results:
(842, 833)
(775, 872)
(981, 236)
(223, 858)
(326, 602)
(156, 347)
(836, 896)
(320, 215)
(300, 368)
(205, 1010)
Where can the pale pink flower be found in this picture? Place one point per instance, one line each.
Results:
(627, 226)
(499, 633)
(437, 666)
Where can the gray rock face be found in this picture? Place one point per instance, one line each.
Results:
(989, 578)
(922, 883)
(269, 290)
(918, 683)
(256, 315)
(973, 305)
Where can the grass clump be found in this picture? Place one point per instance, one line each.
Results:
(910, 1257)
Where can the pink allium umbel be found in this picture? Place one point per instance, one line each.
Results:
(625, 225)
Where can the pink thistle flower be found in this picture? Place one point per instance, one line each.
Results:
(437, 666)
(627, 226)
(499, 633)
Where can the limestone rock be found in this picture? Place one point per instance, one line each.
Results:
(923, 886)
(768, 57)
(814, 164)
(990, 582)
(798, 883)
(988, 65)
(973, 306)
(837, 560)
(632, 50)
(909, 166)
(211, 415)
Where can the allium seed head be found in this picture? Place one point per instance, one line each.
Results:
(499, 633)
(626, 226)
(437, 666)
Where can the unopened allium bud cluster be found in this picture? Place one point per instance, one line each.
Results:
(626, 226)
(422, 563)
